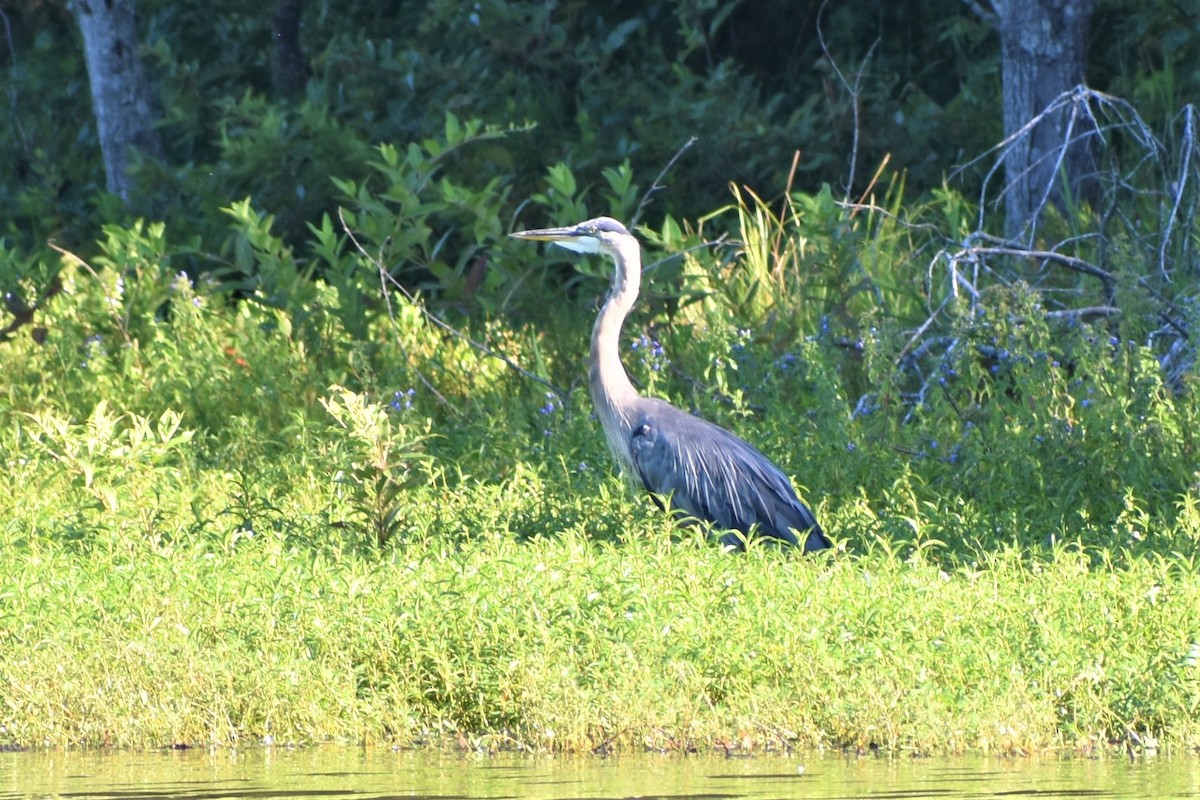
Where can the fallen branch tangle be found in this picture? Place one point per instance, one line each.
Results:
(1070, 262)
(1132, 243)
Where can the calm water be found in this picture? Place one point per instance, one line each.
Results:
(355, 774)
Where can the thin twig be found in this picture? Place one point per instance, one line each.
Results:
(853, 89)
(387, 301)
(111, 303)
(904, 351)
(657, 186)
(854, 208)
(988, 15)
(789, 207)
(720, 241)
(387, 279)
(1189, 138)
(14, 105)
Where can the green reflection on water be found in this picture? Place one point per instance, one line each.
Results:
(341, 772)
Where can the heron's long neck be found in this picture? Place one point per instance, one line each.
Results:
(612, 392)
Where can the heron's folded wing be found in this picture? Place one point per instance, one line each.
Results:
(713, 475)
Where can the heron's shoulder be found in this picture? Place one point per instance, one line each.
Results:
(684, 431)
(653, 411)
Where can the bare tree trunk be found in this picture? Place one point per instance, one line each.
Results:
(287, 61)
(1043, 51)
(121, 99)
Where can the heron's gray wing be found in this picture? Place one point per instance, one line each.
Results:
(713, 475)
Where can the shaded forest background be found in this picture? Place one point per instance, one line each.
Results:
(599, 83)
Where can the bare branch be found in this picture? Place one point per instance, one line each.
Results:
(1070, 262)
(387, 280)
(1086, 314)
(988, 15)
(1140, 240)
(657, 185)
(720, 241)
(1189, 142)
(854, 90)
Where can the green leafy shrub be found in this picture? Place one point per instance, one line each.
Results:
(383, 461)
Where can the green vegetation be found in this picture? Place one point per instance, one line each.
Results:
(296, 515)
(627, 80)
(573, 644)
(299, 445)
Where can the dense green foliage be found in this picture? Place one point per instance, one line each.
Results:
(266, 457)
(267, 520)
(602, 84)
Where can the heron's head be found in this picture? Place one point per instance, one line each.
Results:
(600, 235)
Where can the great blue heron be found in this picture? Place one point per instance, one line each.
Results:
(703, 469)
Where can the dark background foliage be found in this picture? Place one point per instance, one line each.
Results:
(604, 83)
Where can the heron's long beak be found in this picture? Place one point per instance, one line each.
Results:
(548, 234)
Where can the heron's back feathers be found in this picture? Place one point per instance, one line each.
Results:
(713, 475)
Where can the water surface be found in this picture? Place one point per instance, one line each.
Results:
(380, 774)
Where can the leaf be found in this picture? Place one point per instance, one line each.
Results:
(619, 35)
